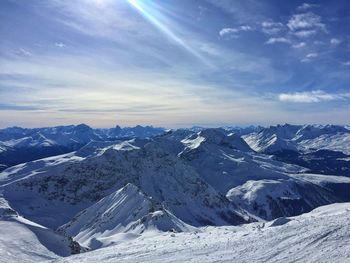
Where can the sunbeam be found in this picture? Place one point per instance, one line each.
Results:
(147, 13)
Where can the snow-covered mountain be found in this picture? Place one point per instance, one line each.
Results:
(307, 138)
(129, 132)
(226, 162)
(112, 191)
(22, 240)
(239, 130)
(321, 148)
(71, 183)
(125, 213)
(320, 236)
(203, 178)
(19, 145)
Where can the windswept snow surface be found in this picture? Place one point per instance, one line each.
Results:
(322, 235)
(24, 241)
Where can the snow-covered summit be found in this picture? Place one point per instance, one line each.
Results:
(125, 212)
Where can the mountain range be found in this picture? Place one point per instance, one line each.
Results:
(93, 189)
(19, 145)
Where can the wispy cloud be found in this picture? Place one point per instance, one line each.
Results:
(23, 52)
(312, 55)
(271, 28)
(60, 45)
(9, 106)
(306, 6)
(161, 96)
(305, 33)
(299, 45)
(335, 41)
(309, 57)
(274, 40)
(234, 32)
(312, 96)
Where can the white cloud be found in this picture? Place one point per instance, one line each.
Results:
(346, 63)
(60, 45)
(309, 57)
(335, 41)
(305, 33)
(246, 28)
(311, 96)
(23, 52)
(274, 40)
(306, 21)
(271, 28)
(228, 31)
(306, 6)
(232, 32)
(312, 55)
(299, 45)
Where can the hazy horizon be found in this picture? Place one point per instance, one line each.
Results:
(205, 126)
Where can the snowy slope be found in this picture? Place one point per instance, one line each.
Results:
(305, 138)
(24, 241)
(320, 148)
(73, 186)
(319, 236)
(43, 209)
(334, 142)
(261, 185)
(125, 213)
(269, 199)
(229, 158)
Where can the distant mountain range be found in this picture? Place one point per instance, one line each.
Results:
(320, 148)
(19, 145)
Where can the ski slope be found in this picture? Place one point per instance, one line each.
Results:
(322, 235)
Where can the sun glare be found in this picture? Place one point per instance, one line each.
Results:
(151, 16)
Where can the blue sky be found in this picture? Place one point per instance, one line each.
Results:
(174, 63)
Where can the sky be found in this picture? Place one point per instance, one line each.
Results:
(174, 63)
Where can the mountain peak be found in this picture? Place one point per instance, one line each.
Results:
(83, 127)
